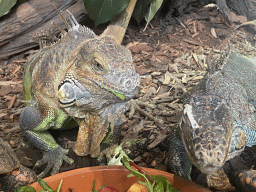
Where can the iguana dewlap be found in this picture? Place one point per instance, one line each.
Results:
(219, 118)
(84, 77)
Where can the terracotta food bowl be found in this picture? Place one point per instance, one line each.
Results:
(114, 176)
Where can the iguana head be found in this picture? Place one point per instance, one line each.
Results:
(100, 72)
(207, 131)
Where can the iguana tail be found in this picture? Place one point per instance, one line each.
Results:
(119, 23)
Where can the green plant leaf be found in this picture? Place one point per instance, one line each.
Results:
(140, 10)
(160, 183)
(163, 185)
(159, 187)
(5, 6)
(44, 185)
(102, 11)
(59, 187)
(127, 165)
(25, 189)
(154, 6)
(119, 95)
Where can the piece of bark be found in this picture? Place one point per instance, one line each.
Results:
(18, 28)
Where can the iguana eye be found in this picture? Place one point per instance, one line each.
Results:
(97, 66)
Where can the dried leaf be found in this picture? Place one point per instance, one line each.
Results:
(156, 73)
(213, 32)
(184, 79)
(167, 78)
(195, 57)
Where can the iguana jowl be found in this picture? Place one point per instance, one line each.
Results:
(84, 77)
(219, 118)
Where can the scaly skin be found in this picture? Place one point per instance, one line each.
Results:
(219, 119)
(84, 77)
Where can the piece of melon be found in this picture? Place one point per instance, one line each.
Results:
(137, 187)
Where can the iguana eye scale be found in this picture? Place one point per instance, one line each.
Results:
(69, 92)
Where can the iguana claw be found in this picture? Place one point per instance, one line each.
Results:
(54, 159)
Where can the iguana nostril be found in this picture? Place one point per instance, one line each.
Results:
(128, 84)
(132, 93)
(209, 169)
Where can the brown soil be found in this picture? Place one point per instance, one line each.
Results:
(171, 57)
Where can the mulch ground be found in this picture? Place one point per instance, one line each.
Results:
(170, 56)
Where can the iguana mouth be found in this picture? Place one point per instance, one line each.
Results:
(117, 92)
(210, 169)
(119, 95)
(70, 90)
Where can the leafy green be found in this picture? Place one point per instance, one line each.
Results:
(140, 10)
(58, 189)
(154, 6)
(5, 6)
(163, 185)
(127, 165)
(93, 187)
(160, 183)
(43, 184)
(119, 153)
(119, 95)
(102, 11)
(25, 189)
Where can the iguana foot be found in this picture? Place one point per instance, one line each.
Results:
(220, 181)
(54, 159)
(108, 152)
(135, 106)
(246, 180)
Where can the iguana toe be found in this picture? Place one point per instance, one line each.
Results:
(220, 181)
(246, 180)
(54, 159)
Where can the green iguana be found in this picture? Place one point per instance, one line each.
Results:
(218, 120)
(84, 77)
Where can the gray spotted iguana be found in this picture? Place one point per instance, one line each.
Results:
(218, 120)
(82, 77)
